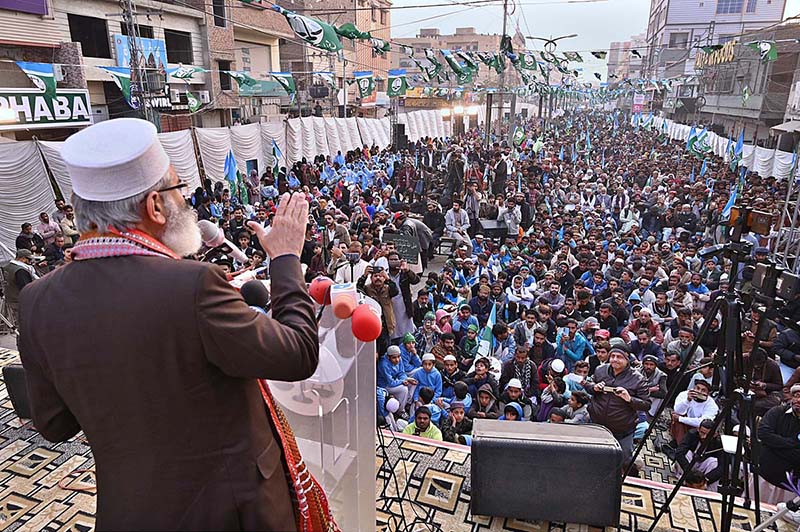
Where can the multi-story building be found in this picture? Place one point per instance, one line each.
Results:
(677, 28)
(78, 36)
(622, 63)
(738, 90)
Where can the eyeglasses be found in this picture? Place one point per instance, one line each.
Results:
(181, 184)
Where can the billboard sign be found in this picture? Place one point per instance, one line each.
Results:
(31, 109)
(37, 7)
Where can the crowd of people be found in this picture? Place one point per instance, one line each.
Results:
(579, 306)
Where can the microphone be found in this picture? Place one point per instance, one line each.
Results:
(255, 294)
(213, 237)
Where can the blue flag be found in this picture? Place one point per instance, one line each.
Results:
(691, 177)
(561, 154)
(726, 211)
(692, 134)
(230, 167)
(486, 342)
(603, 160)
(702, 169)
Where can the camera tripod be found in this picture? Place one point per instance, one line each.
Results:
(733, 379)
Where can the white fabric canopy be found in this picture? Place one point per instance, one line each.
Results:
(52, 154)
(246, 144)
(762, 161)
(214, 144)
(332, 132)
(26, 189)
(180, 149)
(273, 131)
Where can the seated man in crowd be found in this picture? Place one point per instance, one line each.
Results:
(456, 426)
(514, 394)
(422, 425)
(691, 407)
(709, 462)
(486, 406)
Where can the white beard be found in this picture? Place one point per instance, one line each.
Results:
(181, 233)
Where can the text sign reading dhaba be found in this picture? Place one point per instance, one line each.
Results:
(32, 109)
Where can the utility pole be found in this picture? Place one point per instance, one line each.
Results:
(140, 87)
(499, 122)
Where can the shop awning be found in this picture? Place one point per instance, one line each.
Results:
(787, 127)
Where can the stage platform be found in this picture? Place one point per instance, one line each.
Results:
(50, 487)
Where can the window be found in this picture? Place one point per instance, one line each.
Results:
(92, 33)
(224, 79)
(374, 14)
(219, 13)
(384, 15)
(179, 46)
(725, 7)
(751, 6)
(145, 32)
(678, 40)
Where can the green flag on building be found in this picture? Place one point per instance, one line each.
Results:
(122, 79)
(766, 49)
(192, 101)
(315, 32)
(42, 75)
(397, 83)
(286, 81)
(365, 82)
(242, 78)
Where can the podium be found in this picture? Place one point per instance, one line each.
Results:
(333, 418)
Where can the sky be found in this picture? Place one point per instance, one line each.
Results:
(597, 22)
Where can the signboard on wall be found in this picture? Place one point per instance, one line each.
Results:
(37, 7)
(638, 103)
(31, 109)
(154, 52)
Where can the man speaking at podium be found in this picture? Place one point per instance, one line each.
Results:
(160, 364)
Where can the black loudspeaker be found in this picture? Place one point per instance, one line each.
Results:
(538, 471)
(494, 229)
(399, 138)
(17, 387)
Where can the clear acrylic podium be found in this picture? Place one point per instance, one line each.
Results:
(333, 418)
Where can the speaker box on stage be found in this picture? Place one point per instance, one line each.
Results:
(493, 229)
(399, 138)
(17, 387)
(546, 472)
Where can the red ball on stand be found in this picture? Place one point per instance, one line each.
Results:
(366, 323)
(319, 290)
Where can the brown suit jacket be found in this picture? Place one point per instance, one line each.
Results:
(159, 370)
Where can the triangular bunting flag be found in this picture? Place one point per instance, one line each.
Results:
(42, 75)
(315, 32)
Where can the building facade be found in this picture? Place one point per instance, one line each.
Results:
(79, 36)
(677, 28)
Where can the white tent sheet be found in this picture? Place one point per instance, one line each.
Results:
(273, 131)
(246, 144)
(26, 189)
(180, 149)
(332, 132)
(52, 154)
(763, 161)
(214, 144)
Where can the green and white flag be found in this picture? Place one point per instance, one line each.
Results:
(573, 56)
(42, 75)
(698, 144)
(397, 83)
(122, 79)
(276, 160)
(242, 78)
(468, 60)
(315, 32)
(453, 62)
(408, 50)
(186, 72)
(286, 81)
(348, 30)
(379, 46)
(745, 94)
(365, 82)
(327, 77)
(528, 61)
(519, 136)
(436, 66)
(766, 49)
(600, 54)
(193, 102)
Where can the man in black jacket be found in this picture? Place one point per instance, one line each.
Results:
(434, 219)
(403, 277)
(780, 448)
(708, 463)
(619, 394)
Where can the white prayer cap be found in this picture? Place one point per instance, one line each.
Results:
(115, 159)
(514, 383)
(428, 356)
(448, 358)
